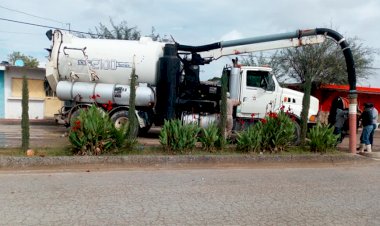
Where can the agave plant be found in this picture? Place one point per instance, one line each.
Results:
(321, 138)
(93, 133)
(277, 132)
(250, 139)
(209, 137)
(176, 137)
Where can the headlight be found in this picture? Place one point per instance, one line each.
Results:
(313, 118)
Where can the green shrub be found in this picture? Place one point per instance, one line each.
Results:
(93, 133)
(178, 138)
(250, 139)
(321, 138)
(209, 137)
(277, 132)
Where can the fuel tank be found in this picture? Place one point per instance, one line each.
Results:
(87, 92)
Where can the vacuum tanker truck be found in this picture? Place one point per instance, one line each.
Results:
(86, 71)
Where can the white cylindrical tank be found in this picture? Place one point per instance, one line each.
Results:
(102, 93)
(234, 84)
(104, 60)
(202, 120)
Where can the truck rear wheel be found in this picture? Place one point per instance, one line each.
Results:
(144, 131)
(297, 133)
(74, 114)
(121, 118)
(76, 111)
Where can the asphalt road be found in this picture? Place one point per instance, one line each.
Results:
(347, 195)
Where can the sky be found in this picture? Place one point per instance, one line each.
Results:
(191, 22)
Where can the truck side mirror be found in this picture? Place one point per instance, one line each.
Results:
(271, 87)
(268, 84)
(49, 34)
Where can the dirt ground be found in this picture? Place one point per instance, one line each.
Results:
(50, 135)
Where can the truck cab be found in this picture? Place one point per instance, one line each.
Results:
(260, 93)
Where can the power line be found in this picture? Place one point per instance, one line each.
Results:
(21, 33)
(28, 14)
(45, 26)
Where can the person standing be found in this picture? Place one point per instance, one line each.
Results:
(231, 103)
(375, 116)
(340, 119)
(366, 118)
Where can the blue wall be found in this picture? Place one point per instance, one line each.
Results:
(2, 107)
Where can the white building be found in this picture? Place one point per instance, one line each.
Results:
(42, 103)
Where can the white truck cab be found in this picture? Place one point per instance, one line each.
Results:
(260, 93)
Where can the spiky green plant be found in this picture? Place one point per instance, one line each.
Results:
(277, 132)
(93, 133)
(25, 115)
(250, 139)
(209, 137)
(321, 138)
(178, 138)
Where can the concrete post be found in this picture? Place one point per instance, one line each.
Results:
(352, 114)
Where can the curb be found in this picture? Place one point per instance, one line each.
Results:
(9, 162)
(375, 155)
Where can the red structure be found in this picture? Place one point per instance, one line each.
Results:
(326, 93)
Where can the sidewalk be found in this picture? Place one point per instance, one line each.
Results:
(47, 121)
(344, 146)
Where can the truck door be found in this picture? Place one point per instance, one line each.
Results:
(258, 94)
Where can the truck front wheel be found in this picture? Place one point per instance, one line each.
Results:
(121, 118)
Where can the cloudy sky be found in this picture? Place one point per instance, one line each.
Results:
(192, 22)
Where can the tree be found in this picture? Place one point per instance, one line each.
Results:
(259, 60)
(29, 61)
(121, 31)
(315, 64)
(321, 63)
(330, 66)
(25, 115)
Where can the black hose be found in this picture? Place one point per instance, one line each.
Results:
(195, 49)
(350, 64)
(300, 33)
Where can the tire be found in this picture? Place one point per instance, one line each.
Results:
(144, 131)
(121, 117)
(297, 134)
(73, 115)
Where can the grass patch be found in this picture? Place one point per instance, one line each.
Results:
(158, 150)
(11, 152)
(305, 150)
(42, 152)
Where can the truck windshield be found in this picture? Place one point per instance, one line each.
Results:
(260, 79)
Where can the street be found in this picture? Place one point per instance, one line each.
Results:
(315, 195)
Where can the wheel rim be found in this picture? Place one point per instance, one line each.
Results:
(120, 122)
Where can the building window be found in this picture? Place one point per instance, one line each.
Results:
(35, 87)
(48, 91)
